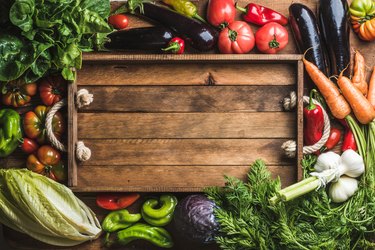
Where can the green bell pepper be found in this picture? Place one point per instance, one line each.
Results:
(10, 131)
(120, 219)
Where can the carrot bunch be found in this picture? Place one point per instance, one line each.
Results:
(353, 91)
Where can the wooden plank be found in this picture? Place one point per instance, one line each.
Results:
(139, 178)
(115, 57)
(299, 111)
(187, 98)
(72, 135)
(150, 73)
(186, 125)
(184, 152)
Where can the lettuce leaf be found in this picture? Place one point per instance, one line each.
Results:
(44, 209)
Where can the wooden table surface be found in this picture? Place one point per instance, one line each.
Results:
(18, 241)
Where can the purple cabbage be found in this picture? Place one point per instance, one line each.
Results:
(194, 219)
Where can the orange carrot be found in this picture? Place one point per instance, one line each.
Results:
(359, 76)
(371, 90)
(362, 108)
(335, 101)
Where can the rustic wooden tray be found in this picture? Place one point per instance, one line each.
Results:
(180, 123)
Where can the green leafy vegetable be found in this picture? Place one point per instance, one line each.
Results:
(244, 214)
(249, 221)
(50, 36)
(44, 209)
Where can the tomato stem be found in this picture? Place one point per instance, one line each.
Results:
(232, 35)
(274, 44)
(223, 25)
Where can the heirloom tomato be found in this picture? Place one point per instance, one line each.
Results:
(237, 38)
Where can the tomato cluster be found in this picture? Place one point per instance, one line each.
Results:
(237, 37)
(43, 158)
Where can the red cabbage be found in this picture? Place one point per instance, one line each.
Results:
(194, 219)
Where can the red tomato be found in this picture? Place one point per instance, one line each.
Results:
(52, 89)
(116, 201)
(47, 161)
(29, 146)
(48, 155)
(237, 38)
(271, 38)
(118, 21)
(221, 13)
(58, 172)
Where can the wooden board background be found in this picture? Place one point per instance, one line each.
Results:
(182, 125)
(18, 241)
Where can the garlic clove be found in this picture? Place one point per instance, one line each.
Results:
(354, 165)
(343, 189)
(328, 160)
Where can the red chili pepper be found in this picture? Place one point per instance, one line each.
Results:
(176, 45)
(260, 15)
(333, 139)
(116, 201)
(313, 122)
(349, 141)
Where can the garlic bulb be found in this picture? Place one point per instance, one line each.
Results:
(343, 189)
(328, 160)
(353, 162)
(350, 163)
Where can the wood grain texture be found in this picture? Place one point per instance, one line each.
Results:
(156, 99)
(154, 71)
(139, 178)
(72, 135)
(184, 152)
(186, 125)
(299, 114)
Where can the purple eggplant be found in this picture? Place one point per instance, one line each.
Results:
(147, 38)
(199, 35)
(307, 35)
(334, 22)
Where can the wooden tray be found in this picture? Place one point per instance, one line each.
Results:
(180, 123)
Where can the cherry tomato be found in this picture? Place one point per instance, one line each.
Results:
(29, 145)
(271, 38)
(237, 38)
(118, 21)
(116, 201)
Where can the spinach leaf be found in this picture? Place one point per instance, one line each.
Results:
(51, 35)
(21, 14)
(103, 8)
(17, 56)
